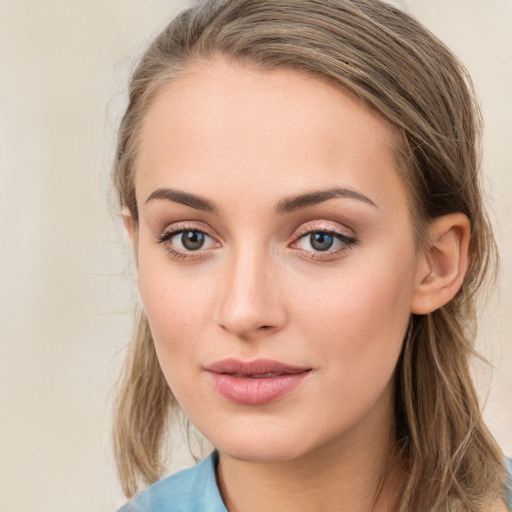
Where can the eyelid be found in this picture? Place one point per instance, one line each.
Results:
(177, 227)
(322, 225)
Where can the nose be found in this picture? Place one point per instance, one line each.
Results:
(250, 303)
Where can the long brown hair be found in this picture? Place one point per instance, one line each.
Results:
(400, 70)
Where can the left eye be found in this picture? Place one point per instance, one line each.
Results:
(323, 241)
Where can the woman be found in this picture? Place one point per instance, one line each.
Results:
(299, 181)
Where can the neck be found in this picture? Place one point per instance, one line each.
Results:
(358, 472)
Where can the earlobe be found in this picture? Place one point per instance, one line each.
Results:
(442, 266)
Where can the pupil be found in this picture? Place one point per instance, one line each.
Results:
(192, 240)
(321, 241)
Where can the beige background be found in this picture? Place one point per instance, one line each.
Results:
(66, 290)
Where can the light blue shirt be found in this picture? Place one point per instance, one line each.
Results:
(191, 490)
(195, 490)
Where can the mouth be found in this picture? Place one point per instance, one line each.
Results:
(255, 382)
(255, 376)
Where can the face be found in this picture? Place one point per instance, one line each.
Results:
(276, 259)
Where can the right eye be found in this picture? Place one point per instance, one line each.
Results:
(184, 243)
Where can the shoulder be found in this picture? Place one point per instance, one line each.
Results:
(194, 488)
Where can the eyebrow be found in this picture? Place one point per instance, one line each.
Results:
(178, 196)
(302, 201)
(286, 205)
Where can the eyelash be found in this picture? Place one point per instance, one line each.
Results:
(347, 242)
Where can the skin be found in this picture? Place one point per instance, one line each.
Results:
(245, 141)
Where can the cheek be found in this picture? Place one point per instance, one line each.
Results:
(358, 320)
(355, 296)
(178, 308)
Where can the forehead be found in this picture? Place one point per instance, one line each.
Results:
(261, 130)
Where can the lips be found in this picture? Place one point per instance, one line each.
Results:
(255, 382)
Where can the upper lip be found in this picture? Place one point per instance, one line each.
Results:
(267, 367)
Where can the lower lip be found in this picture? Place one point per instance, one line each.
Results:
(250, 391)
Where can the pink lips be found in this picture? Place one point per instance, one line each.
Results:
(255, 382)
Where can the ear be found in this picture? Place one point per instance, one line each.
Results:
(130, 229)
(442, 266)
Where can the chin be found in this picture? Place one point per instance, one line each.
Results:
(259, 453)
(262, 446)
